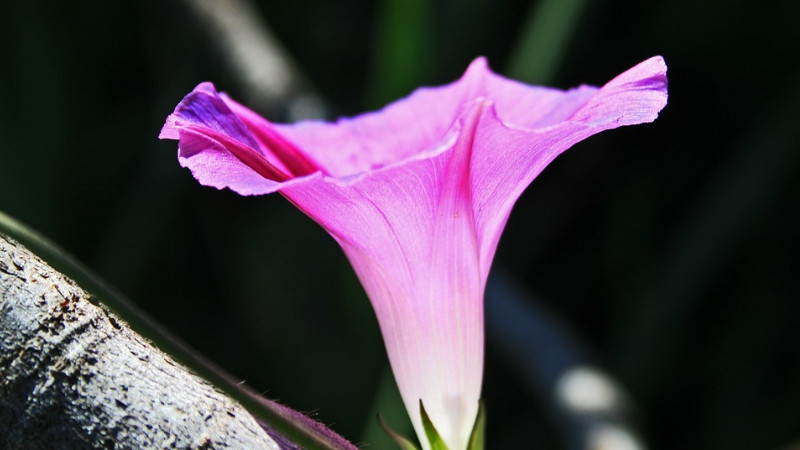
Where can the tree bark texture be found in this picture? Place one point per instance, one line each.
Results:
(73, 375)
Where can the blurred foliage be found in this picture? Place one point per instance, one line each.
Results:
(671, 249)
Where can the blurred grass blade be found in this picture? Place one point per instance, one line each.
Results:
(291, 424)
(736, 198)
(401, 441)
(389, 405)
(545, 36)
(402, 49)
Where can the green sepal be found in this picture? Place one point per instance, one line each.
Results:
(430, 431)
(401, 441)
(476, 439)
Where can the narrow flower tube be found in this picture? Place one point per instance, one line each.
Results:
(417, 195)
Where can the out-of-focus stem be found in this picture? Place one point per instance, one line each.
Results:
(256, 58)
(592, 409)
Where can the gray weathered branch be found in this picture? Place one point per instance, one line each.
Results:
(73, 375)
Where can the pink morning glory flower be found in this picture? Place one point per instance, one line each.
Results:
(417, 195)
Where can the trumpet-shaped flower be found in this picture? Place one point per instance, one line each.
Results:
(417, 195)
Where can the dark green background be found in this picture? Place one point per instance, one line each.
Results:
(670, 250)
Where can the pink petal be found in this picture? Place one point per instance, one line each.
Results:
(507, 159)
(223, 148)
(286, 154)
(417, 195)
(409, 233)
(213, 163)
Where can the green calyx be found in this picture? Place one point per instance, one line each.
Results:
(476, 438)
(430, 431)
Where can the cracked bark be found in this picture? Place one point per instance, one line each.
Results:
(73, 375)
